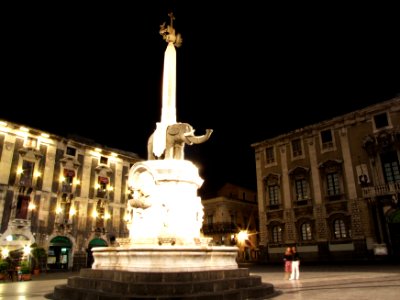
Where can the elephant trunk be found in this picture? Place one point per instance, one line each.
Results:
(193, 139)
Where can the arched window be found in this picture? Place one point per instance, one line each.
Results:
(339, 229)
(276, 234)
(306, 231)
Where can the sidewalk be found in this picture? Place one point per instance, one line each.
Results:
(362, 282)
(323, 282)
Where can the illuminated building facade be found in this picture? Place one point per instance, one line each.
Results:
(332, 188)
(231, 218)
(66, 195)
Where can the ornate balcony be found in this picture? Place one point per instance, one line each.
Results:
(392, 188)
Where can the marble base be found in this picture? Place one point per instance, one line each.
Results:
(165, 258)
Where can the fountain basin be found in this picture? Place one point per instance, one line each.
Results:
(165, 258)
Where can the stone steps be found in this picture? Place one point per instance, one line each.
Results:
(112, 285)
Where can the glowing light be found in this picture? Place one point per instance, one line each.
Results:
(31, 206)
(9, 238)
(5, 252)
(242, 236)
(127, 218)
(107, 216)
(77, 182)
(58, 210)
(45, 135)
(62, 178)
(72, 211)
(95, 214)
(97, 150)
(37, 174)
(27, 250)
(20, 171)
(24, 129)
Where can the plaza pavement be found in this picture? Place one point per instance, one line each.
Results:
(320, 282)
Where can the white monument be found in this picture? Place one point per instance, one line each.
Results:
(165, 256)
(165, 214)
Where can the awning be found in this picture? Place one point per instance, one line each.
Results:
(97, 242)
(61, 241)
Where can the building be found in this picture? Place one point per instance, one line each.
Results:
(231, 218)
(66, 195)
(332, 188)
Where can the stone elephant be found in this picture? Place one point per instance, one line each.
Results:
(177, 135)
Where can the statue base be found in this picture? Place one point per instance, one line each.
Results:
(218, 285)
(165, 258)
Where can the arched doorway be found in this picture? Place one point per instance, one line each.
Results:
(96, 242)
(59, 253)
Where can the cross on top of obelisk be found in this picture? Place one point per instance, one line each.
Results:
(168, 32)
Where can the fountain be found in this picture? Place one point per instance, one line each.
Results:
(165, 255)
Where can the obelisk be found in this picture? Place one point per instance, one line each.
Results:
(168, 109)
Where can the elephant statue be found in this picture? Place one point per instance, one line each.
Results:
(177, 135)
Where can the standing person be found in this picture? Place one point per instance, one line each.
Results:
(295, 274)
(287, 260)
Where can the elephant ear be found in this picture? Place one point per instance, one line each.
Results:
(173, 130)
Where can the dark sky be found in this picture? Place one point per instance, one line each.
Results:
(247, 69)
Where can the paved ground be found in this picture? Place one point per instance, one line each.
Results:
(355, 282)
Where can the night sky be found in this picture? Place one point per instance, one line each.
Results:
(247, 69)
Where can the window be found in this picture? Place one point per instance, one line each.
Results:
(381, 121)
(276, 234)
(269, 155)
(65, 207)
(339, 229)
(299, 182)
(331, 172)
(301, 189)
(68, 180)
(210, 220)
(30, 143)
(233, 219)
(100, 214)
(326, 139)
(333, 185)
(306, 232)
(27, 173)
(390, 166)
(102, 186)
(22, 207)
(296, 148)
(71, 151)
(103, 160)
(273, 192)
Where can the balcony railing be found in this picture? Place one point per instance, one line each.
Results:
(381, 190)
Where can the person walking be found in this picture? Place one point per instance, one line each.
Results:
(287, 261)
(295, 274)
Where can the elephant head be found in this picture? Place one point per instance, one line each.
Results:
(180, 134)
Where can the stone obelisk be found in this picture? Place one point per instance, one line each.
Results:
(168, 109)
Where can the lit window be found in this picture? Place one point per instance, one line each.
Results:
(333, 186)
(306, 233)
(276, 234)
(339, 229)
(273, 192)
